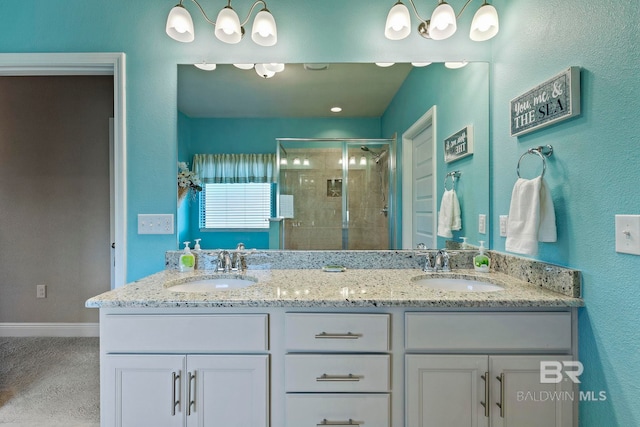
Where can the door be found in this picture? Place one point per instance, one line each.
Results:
(227, 390)
(524, 400)
(147, 390)
(446, 390)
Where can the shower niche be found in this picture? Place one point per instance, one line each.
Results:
(341, 192)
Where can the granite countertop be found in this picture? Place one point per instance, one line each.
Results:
(316, 288)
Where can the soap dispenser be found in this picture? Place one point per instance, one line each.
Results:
(196, 247)
(187, 259)
(481, 261)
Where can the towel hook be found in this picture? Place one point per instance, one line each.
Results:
(542, 152)
(453, 175)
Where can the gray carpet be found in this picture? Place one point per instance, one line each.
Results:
(49, 382)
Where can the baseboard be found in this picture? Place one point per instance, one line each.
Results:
(49, 330)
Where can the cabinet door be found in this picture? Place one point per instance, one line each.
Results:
(524, 401)
(144, 391)
(446, 390)
(227, 390)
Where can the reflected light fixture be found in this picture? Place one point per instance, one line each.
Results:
(363, 161)
(283, 161)
(385, 64)
(453, 65)
(352, 160)
(420, 64)
(243, 66)
(305, 162)
(296, 161)
(336, 109)
(228, 27)
(206, 66)
(443, 22)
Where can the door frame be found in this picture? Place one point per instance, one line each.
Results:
(427, 119)
(90, 64)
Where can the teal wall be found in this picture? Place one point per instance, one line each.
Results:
(462, 99)
(593, 174)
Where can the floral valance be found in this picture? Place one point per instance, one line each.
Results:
(235, 168)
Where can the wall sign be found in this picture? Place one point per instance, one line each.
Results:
(459, 145)
(555, 100)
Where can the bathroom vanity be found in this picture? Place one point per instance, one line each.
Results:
(368, 346)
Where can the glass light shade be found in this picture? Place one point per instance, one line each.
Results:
(352, 160)
(453, 65)
(243, 66)
(264, 31)
(305, 162)
(275, 67)
(180, 25)
(398, 24)
(205, 66)
(485, 24)
(420, 64)
(363, 161)
(385, 64)
(228, 27)
(296, 161)
(443, 22)
(283, 161)
(263, 72)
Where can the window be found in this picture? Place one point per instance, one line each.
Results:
(246, 205)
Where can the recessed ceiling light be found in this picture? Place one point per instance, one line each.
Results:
(336, 109)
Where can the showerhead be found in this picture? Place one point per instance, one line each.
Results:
(377, 155)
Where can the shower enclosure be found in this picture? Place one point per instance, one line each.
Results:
(336, 194)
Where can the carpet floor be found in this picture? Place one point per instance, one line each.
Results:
(49, 382)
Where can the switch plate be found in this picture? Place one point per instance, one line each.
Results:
(628, 234)
(155, 223)
(504, 219)
(482, 224)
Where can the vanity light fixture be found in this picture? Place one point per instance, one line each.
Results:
(454, 65)
(206, 66)
(283, 161)
(420, 64)
(243, 66)
(296, 161)
(352, 160)
(385, 64)
(443, 22)
(228, 27)
(305, 162)
(363, 161)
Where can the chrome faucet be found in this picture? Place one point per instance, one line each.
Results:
(442, 261)
(428, 267)
(239, 260)
(224, 261)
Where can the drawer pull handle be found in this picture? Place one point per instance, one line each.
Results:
(350, 422)
(349, 377)
(176, 378)
(501, 403)
(485, 377)
(347, 336)
(192, 395)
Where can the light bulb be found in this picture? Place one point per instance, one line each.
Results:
(398, 25)
(180, 25)
(443, 22)
(264, 31)
(228, 27)
(485, 24)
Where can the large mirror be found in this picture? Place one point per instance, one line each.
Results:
(233, 111)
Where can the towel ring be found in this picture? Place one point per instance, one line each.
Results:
(542, 152)
(453, 175)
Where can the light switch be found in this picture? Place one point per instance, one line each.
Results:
(628, 234)
(155, 223)
(482, 224)
(503, 225)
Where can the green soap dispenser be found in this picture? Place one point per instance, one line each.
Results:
(187, 259)
(481, 261)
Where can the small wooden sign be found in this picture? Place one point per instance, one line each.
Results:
(555, 100)
(459, 145)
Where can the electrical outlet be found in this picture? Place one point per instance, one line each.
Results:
(503, 225)
(41, 291)
(482, 224)
(155, 223)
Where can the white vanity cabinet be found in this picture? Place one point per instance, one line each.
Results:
(472, 369)
(184, 370)
(337, 369)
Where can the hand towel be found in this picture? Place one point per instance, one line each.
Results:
(449, 216)
(532, 218)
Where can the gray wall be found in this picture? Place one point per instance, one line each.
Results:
(54, 196)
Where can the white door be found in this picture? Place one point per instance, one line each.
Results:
(446, 390)
(418, 183)
(228, 390)
(147, 391)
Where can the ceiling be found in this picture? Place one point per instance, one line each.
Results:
(362, 90)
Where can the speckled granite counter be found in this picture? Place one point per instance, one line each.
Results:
(314, 288)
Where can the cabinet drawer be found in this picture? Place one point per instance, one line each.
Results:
(313, 410)
(523, 331)
(337, 332)
(185, 333)
(337, 373)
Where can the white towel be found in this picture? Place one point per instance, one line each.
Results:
(532, 218)
(449, 217)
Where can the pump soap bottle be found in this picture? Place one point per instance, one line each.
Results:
(481, 261)
(187, 259)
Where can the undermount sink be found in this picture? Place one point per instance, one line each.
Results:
(214, 284)
(457, 284)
